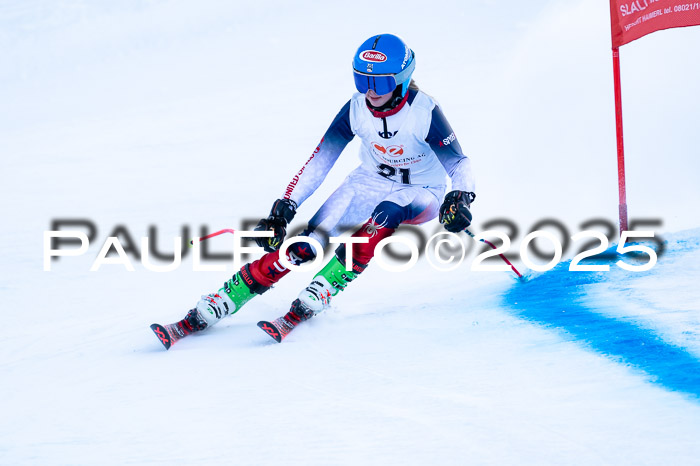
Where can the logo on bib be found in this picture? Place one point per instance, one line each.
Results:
(391, 151)
(387, 134)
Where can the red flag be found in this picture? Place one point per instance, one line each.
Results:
(632, 19)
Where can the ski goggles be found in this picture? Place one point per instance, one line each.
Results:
(382, 83)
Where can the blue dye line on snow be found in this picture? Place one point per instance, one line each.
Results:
(555, 298)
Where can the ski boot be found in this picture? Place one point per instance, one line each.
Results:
(210, 309)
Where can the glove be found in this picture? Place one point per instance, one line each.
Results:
(454, 212)
(282, 212)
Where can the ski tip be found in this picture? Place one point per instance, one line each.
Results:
(163, 335)
(271, 330)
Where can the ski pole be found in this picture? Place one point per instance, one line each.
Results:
(216, 233)
(494, 247)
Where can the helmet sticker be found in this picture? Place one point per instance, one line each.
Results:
(405, 57)
(370, 66)
(372, 56)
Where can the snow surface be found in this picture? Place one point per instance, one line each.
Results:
(166, 114)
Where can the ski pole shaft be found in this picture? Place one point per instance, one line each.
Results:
(216, 233)
(494, 247)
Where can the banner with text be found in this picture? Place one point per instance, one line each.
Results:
(632, 19)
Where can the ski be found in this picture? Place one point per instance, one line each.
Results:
(168, 334)
(278, 329)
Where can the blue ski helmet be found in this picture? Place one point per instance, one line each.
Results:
(382, 63)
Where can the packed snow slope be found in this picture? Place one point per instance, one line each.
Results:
(636, 318)
(412, 368)
(406, 368)
(159, 118)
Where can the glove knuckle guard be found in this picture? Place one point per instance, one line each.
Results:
(454, 212)
(282, 212)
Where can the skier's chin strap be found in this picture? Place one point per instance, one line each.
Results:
(392, 107)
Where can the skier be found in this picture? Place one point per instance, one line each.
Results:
(407, 150)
